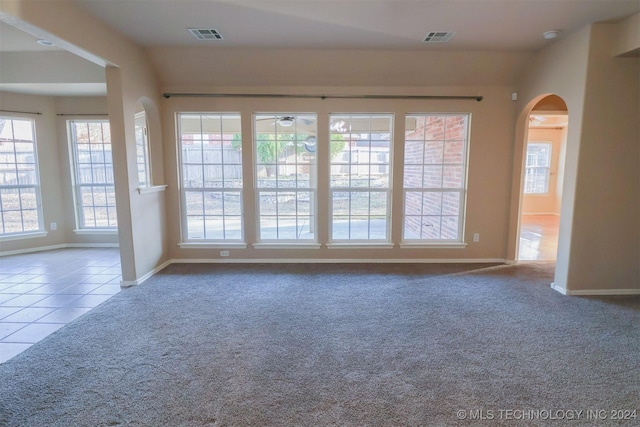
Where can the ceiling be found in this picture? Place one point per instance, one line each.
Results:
(548, 121)
(355, 24)
(29, 67)
(486, 25)
(15, 40)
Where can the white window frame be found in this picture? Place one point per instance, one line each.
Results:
(204, 242)
(39, 232)
(547, 169)
(142, 150)
(387, 191)
(312, 189)
(81, 225)
(461, 191)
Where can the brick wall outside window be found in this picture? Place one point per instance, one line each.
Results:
(434, 170)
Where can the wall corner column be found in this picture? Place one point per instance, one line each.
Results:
(115, 106)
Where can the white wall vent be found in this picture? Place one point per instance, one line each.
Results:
(438, 36)
(205, 33)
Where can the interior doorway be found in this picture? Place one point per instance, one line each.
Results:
(543, 175)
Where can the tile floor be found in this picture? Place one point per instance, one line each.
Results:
(40, 292)
(538, 237)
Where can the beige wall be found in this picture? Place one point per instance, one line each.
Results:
(55, 166)
(212, 68)
(76, 108)
(49, 67)
(353, 72)
(559, 69)
(50, 166)
(606, 228)
(490, 153)
(130, 78)
(598, 246)
(601, 182)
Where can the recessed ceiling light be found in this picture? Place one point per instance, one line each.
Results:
(551, 34)
(44, 42)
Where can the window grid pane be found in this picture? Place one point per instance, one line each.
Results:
(93, 163)
(434, 176)
(538, 163)
(211, 170)
(360, 176)
(142, 150)
(20, 208)
(286, 176)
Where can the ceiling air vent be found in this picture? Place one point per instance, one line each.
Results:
(438, 36)
(205, 34)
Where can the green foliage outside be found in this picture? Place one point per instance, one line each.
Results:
(269, 150)
(337, 145)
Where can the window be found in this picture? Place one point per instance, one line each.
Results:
(211, 170)
(20, 206)
(360, 172)
(286, 176)
(536, 180)
(434, 176)
(142, 150)
(93, 166)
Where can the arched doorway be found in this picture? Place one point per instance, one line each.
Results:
(544, 153)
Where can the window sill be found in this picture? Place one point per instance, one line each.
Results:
(421, 245)
(287, 245)
(360, 245)
(152, 189)
(100, 231)
(28, 235)
(212, 245)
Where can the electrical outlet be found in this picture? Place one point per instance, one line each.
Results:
(54, 226)
(224, 253)
(476, 237)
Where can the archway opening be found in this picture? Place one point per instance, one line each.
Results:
(543, 164)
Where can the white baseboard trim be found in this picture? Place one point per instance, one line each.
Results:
(129, 283)
(603, 292)
(29, 250)
(595, 292)
(154, 271)
(60, 246)
(338, 261)
(93, 245)
(557, 288)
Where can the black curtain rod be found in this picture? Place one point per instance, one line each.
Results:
(273, 95)
(21, 112)
(82, 114)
